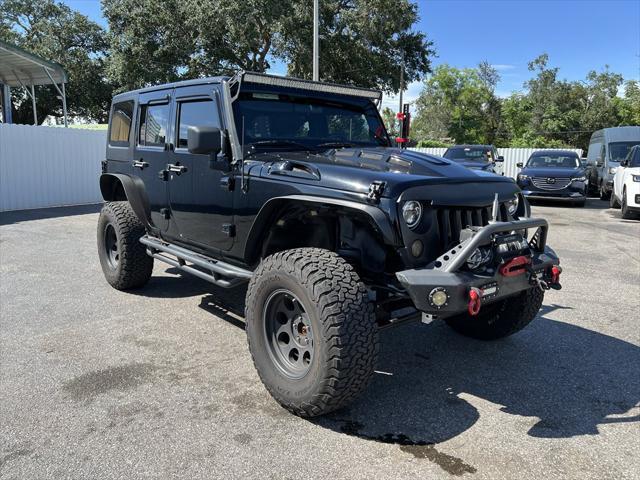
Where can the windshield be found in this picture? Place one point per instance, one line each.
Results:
(618, 151)
(554, 161)
(282, 120)
(468, 154)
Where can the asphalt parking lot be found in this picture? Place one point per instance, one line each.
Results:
(95, 383)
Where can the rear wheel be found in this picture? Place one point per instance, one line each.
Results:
(500, 319)
(311, 330)
(604, 195)
(123, 258)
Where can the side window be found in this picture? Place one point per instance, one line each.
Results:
(120, 129)
(153, 125)
(199, 112)
(603, 154)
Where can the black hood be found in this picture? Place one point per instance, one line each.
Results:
(354, 169)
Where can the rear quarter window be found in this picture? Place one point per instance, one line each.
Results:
(120, 129)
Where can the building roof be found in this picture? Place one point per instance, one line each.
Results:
(19, 67)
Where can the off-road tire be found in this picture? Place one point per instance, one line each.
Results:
(133, 268)
(624, 208)
(604, 195)
(342, 318)
(500, 319)
(613, 202)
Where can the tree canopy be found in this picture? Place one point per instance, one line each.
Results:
(57, 33)
(461, 105)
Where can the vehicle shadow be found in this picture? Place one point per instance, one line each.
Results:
(17, 216)
(591, 204)
(570, 378)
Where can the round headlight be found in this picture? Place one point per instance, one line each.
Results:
(411, 212)
(512, 205)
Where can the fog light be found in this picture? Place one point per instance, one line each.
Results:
(416, 248)
(438, 297)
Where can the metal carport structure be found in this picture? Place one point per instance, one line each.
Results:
(19, 68)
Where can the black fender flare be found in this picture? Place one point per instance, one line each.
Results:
(134, 190)
(377, 217)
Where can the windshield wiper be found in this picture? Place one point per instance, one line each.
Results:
(336, 145)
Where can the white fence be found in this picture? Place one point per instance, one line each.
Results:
(512, 156)
(48, 167)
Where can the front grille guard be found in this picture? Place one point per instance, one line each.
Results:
(453, 259)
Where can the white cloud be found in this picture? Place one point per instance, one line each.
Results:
(503, 66)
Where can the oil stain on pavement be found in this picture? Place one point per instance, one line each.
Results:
(88, 386)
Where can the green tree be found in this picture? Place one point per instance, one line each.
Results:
(363, 42)
(57, 33)
(390, 122)
(459, 104)
(154, 42)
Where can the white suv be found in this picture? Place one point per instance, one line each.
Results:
(626, 184)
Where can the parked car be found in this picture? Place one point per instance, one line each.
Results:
(554, 175)
(626, 184)
(607, 148)
(293, 187)
(475, 157)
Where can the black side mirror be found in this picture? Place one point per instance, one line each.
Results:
(624, 163)
(204, 140)
(519, 164)
(500, 159)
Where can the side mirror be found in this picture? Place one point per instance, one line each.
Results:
(204, 140)
(624, 163)
(519, 164)
(500, 159)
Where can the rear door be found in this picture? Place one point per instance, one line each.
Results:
(201, 203)
(150, 154)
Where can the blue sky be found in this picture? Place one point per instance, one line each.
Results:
(578, 35)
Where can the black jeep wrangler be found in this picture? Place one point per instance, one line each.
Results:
(294, 187)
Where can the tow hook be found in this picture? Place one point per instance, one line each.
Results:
(552, 281)
(475, 301)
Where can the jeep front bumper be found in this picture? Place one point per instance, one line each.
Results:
(448, 273)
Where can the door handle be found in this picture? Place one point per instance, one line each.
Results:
(140, 164)
(177, 169)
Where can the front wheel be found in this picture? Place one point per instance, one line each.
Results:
(613, 201)
(311, 330)
(626, 213)
(500, 319)
(123, 258)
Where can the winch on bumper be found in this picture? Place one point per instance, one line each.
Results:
(492, 263)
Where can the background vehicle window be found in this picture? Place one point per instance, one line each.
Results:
(121, 123)
(619, 150)
(153, 125)
(550, 161)
(201, 112)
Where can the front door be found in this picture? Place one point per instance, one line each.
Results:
(201, 206)
(150, 153)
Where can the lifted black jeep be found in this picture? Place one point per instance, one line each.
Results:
(294, 187)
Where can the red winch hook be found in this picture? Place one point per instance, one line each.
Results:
(475, 301)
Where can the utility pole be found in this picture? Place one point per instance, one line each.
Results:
(316, 40)
(401, 82)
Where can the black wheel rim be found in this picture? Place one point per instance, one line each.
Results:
(111, 246)
(288, 333)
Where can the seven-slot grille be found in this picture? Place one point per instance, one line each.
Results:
(549, 183)
(451, 221)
